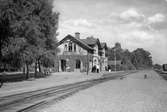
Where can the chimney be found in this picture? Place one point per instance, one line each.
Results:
(77, 35)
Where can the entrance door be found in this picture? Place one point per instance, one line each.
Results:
(63, 65)
(78, 64)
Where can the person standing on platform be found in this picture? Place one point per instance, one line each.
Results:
(97, 67)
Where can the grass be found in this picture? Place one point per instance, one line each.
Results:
(19, 76)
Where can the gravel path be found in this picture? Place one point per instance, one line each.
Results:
(55, 79)
(131, 94)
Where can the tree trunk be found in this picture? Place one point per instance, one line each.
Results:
(27, 71)
(39, 65)
(24, 70)
(36, 66)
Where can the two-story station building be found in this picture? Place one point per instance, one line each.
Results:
(81, 55)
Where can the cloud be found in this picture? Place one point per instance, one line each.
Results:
(156, 18)
(134, 33)
(70, 26)
(82, 22)
(134, 18)
(114, 21)
(131, 14)
(78, 23)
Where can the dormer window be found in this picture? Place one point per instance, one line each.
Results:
(70, 47)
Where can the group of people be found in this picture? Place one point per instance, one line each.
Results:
(95, 69)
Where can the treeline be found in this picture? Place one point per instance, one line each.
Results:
(137, 59)
(27, 34)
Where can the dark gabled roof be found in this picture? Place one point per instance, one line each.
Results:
(103, 45)
(91, 41)
(77, 41)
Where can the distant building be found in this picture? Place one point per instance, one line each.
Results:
(80, 55)
(164, 66)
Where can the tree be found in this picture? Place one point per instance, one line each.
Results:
(116, 50)
(31, 21)
(5, 31)
(11, 56)
(141, 58)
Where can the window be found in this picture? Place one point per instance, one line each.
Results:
(70, 47)
(74, 47)
(65, 48)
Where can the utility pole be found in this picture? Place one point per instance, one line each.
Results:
(87, 63)
(115, 59)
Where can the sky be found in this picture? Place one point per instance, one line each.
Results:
(133, 23)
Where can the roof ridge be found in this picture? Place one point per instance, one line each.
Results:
(75, 39)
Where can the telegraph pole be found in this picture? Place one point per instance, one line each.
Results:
(87, 63)
(115, 60)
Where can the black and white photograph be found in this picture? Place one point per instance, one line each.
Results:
(83, 55)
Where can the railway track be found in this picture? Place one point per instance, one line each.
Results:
(31, 101)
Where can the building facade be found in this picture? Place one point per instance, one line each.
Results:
(81, 55)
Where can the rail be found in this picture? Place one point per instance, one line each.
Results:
(28, 101)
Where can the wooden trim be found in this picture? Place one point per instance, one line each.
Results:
(77, 41)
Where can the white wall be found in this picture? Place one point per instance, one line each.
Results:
(96, 50)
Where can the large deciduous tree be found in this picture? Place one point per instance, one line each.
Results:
(34, 23)
(139, 58)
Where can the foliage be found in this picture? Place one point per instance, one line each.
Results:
(138, 58)
(47, 61)
(28, 31)
(141, 58)
(116, 51)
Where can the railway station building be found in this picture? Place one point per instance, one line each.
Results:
(81, 55)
